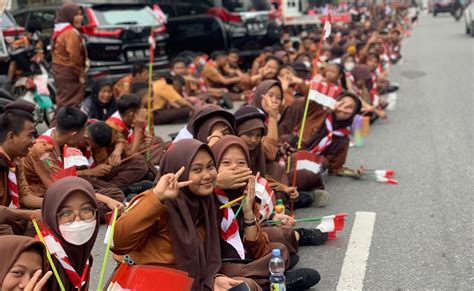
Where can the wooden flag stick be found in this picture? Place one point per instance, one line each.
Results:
(229, 204)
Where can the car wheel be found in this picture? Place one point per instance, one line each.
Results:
(468, 30)
(434, 14)
(472, 29)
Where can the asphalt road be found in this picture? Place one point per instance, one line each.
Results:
(422, 236)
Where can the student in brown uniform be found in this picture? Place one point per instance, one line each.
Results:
(245, 248)
(175, 224)
(70, 214)
(24, 264)
(321, 123)
(16, 138)
(124, 85)
(47, 157)
(69, 56)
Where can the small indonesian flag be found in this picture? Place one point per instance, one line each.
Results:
(386, 180)
(73, 157)
(324, 94)
(385, 173)
(332, 224)
(327, 27)
(309, 162)
(265, 193)
(109, 217)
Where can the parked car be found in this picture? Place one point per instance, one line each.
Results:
(469, 18)
(248, 25)
(116, 35)
(453, 7)
(11, 31)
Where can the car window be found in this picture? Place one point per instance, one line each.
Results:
(44, 18)
(246, 5)
(192, 7)
(21, 18)
(7, 21)
(137, 16)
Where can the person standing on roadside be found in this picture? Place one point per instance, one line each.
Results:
(69, 56)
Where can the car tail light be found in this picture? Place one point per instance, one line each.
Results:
(159, 29)
(14, 31)
(92, 30)
(223, 14)
(97, 75)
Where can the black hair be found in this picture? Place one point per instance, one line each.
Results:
(33, 26)
(170, 79)
(138, 68)
(129, 102)
(139, 86)
(13, 121)
(296, 45)
(100, 133)
(70, 119)
(216, 54)
(273, 58)
(177, 60)
(234, 51)
(373, 55)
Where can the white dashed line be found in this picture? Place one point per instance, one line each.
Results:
(357, 254)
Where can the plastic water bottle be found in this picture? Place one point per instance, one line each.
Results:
(277, 272)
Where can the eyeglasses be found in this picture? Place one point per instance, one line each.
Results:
(86, 214)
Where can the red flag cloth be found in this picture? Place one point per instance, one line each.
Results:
(265, 193)
(12, 185)
(324, 93)
(146, 277)
(308, 161)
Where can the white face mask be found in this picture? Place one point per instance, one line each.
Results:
(78, 232)
(202, 61)
(349, 66)
(307, 64)
(323, 58)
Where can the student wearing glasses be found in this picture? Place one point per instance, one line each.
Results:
(70, 214)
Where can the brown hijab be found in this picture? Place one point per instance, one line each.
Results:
(204, 120)
(261, 90)
(12, 246)
(219, 149)
(362, 73)
(249, 118)
(66, 13)
(52, 202)
(201, 259)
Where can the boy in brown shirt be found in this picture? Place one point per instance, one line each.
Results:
(17, 202)
(124, 85)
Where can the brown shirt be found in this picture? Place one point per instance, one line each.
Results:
(42, 160)
(123, 86)
(23, 188)
(211, 75)
(142, 233)
(69, 51)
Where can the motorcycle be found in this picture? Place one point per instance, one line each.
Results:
(36, 85)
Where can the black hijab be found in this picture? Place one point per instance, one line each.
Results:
(99, 110)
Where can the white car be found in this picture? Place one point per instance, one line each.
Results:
(469, 18)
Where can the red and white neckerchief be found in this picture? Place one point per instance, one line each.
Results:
(60, 28)
(47, 136)
(327, 140)
(12, 184)
(56, 249)
(90, 157)
(116, 119)
(229, 227)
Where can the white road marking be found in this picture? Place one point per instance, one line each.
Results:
(357, 254)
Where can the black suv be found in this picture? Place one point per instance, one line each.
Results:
(248, 25)
(117, 35)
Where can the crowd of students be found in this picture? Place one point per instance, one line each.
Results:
(173, 190)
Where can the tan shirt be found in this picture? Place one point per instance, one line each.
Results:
(23, 188)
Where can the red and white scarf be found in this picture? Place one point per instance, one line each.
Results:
(229, 227)
(60, 28)
(56, 249)
(116, 118)
(13, 185)
(327, 140)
